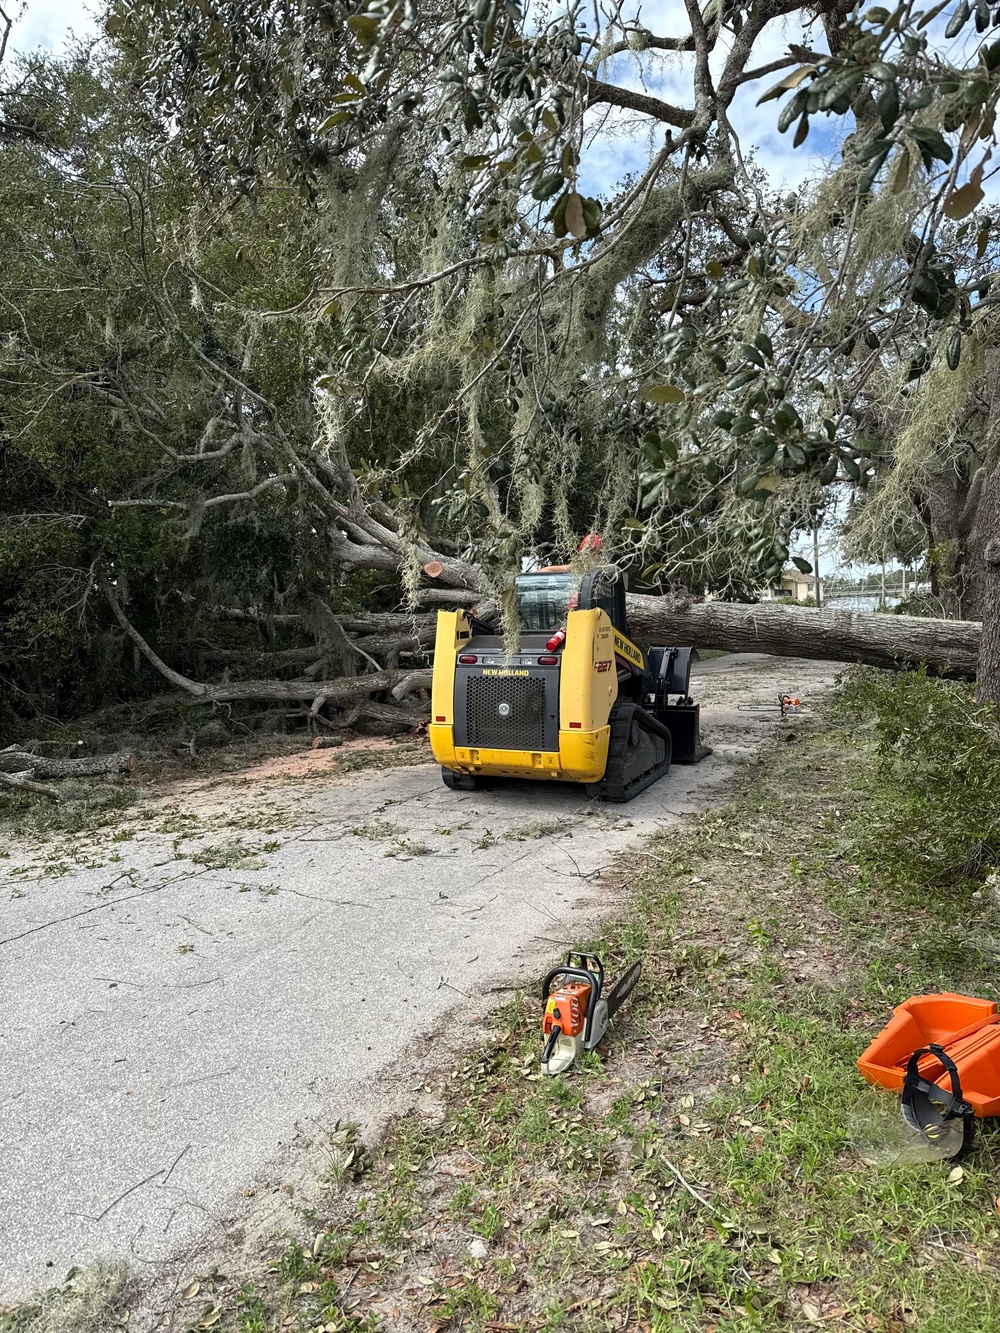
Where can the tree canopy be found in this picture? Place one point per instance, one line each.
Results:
(306, 300)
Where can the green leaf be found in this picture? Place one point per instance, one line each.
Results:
(851, 467)
(549, 121)
(593, 210)
(364, 27)
(801, 132)
(663, 393)
(714, 269)
(954, 353)
(335, 119)
(558, 215)
(790, 110)
(743, 426)
(547, 186)
(888, 106)
(958, 20)
(803, 566)
(475, 163)
(933, 141)
(929, 15)
(634, 524)
(874, 148)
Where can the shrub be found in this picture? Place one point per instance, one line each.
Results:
(933, 818)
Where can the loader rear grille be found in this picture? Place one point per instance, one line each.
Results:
(523, 727)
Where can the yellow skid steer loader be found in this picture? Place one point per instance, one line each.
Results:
(577, 702)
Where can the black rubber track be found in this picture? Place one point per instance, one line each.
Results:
(461, 781)
(624, 715)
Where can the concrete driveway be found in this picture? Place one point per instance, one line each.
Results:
(178, 998)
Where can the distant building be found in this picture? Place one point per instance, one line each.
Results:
(794, 586)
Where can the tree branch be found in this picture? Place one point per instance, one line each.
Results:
(175, 677)
(598, 91)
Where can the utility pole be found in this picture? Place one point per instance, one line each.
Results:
(819, 594)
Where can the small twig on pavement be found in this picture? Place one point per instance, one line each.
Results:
(456, 989)
(170, 1170)
(124, 1195)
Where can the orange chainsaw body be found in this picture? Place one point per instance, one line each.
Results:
(566, 1008)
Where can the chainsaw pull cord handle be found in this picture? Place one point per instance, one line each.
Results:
(914, 1083)
(564, 970)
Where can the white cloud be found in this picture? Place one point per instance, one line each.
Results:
(50, 23)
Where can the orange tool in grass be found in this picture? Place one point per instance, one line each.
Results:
(578, 1009)
(942, 1053)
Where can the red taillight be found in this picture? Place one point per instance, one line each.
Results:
(576, 724)
(441, 718)
(468, 659)
(548, 659)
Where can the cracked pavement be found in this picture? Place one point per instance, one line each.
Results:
(178, 1001)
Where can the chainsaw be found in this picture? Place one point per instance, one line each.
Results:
(577, 1011)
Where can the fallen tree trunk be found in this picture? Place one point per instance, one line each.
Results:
(14, 760)
(945, 647)
(23, 782)
(390, 715)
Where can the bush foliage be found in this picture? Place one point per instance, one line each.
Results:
(934, 817)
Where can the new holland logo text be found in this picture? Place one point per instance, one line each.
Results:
(628, 650)
(503, 671)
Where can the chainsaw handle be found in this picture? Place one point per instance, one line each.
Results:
(588, 962)
(581, 973)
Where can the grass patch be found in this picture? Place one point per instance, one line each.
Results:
(719, 1166)
(712, 1167)
(91, 1300)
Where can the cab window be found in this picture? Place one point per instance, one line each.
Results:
(544, 601)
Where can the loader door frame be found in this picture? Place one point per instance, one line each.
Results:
(604, 589)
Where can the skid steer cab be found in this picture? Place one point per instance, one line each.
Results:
(578, 701)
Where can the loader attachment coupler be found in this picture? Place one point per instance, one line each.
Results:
(671, 672)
